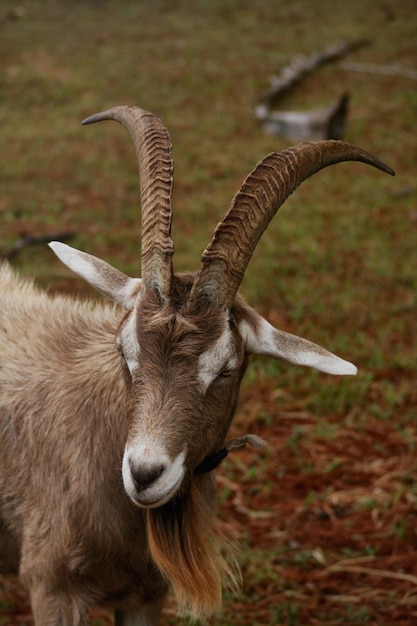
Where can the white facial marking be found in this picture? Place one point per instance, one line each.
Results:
(144, 457)
(129, 292)
(129, 342)
(220, 356)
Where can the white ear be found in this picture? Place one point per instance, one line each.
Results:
(99, 274)
(263, 339)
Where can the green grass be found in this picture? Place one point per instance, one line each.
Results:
(337, 265)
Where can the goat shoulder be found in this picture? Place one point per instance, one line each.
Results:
(62, 400)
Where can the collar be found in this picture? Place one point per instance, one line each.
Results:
(211, 461)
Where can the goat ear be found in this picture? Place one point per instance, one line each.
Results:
(99, 274)
(263, 339)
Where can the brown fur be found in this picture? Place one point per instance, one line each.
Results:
(66, 524)
(88, 435)
(75, 536)
(190, 551)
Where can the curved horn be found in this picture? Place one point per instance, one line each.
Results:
(224, 261)
(153, 149)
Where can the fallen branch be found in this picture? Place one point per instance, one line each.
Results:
(327, 123)
(302, 66)
(382, 70)
(349, 567)
(30, 240)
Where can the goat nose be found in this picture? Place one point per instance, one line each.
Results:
(144, 476)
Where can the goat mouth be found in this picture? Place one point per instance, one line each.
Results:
(151, 484)
(154, 498)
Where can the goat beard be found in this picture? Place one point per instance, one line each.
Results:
(192, 553)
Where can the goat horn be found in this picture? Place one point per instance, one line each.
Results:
(224, 261)
(153, 149)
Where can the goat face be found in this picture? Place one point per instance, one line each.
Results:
(183, 365)
(185, 339)
(183, 361)
(183, 376)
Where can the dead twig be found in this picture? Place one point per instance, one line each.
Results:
(350, 566)
(381, 70)
(30, 240)
(325, 123)
(302, 66)
(237, 500)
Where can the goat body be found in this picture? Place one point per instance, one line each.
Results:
(72, 533)
(111, 414)
(66, 525)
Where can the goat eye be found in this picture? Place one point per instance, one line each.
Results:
(122, 354)
(225, 374)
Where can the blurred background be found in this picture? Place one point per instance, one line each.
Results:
(326, 519)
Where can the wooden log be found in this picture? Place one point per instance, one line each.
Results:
(302, 66)
(381, 70)
(31, 240)
(326, 123)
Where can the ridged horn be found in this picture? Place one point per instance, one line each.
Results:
(154, 154)
(224, 261)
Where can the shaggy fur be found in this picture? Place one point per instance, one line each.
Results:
(66, 524)
(105, 415)
(189, 550)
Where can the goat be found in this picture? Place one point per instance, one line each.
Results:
(112, 415)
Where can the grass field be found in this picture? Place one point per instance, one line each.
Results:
(327, 517)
